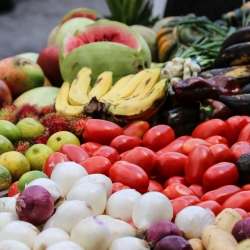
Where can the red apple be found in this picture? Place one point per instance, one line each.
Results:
(48, 60)
(5, 93)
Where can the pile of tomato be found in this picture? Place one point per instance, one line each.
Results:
(197, 169)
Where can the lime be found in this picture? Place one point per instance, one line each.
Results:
(9, 130)
(5, 145)
(37, 154)
(29, 128)
(16, 163)
(5, 178)
(60, 138)
(28, 177)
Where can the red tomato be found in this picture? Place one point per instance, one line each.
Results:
(101, 131)
(198, 189)
(192, 143)
(198, 161)
(209, 128)
(13, 190)
(184, 137)
(242, 212)
(130, 175)
(142, 157)
(214, 206)
(234, 125)
(192, 199)
(136, 128)
(74, 153)
(173, 146)
(108, 152)
(117, 186)
(176, 190)
(221, 153)
(247, 117)
(239, 148)
(154, 186)
(220, 174)
(158, 137)
(245, 187)
(245, 134)
(90, 147)
(96, 165)
(123, 143)
(221, 194)
(170, 164)
(238, 200)
(123, 154)
(52, 160)
(178, 204)
(217, 139)
(175, 179)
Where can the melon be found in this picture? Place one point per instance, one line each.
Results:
(104, 46)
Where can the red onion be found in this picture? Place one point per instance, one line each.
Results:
(173, 242)
(159, 230)
(34, 205)
(241, 229)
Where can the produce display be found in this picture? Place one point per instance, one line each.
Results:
(128, 132)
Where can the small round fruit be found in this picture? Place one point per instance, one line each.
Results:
(29, 128)
(60, 138)
(5, 145)
(5, 178)
(16, 163)
(37, 154)
(26, 178)
(9, 130)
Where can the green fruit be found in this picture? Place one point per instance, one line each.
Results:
(60, 138)
(5, 145)
(5, 178)
(104, 46)
(29, 128)
(41, 97)
(9, 130)
(37, 154)
(26, 178)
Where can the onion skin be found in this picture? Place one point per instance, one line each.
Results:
(159, 230)
(173, 242)
(34, 205)
(241, 229)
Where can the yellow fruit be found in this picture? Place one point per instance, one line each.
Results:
(5, 145)
(60, 138)
(37, 155)
(16, 163)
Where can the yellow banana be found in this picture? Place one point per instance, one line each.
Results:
(120, 84)
(132, 108)
(130, 86)
(62, 105)
(78, 92)
(102, 85)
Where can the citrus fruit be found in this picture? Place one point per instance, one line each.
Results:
(9, 130)
(29, 128)
(60, 138)
(5, 178)
(16, 163)
(5, 145)
(28, 177)
(37, 155)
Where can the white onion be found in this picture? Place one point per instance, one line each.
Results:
(10, 204)
(7, 217)
(50, 186)
(66, 174)
(69, 213)
(120, 204)
(2, 206)
(67, 245)
(20, 231)
(192, 219)
(92, 234)
(151, 207)
(99, 178)
(49, 223)
(13, 245)
(129, 243)
(92, 193)
(49, 237)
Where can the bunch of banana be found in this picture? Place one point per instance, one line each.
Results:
(72, 97)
